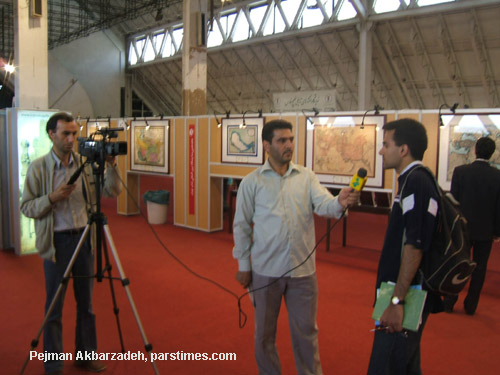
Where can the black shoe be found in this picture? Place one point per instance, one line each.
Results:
(56, 372)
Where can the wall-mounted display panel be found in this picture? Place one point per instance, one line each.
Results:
(242, 140)
(28, 141)
(457, 141)
(150, 146)
(337, 146)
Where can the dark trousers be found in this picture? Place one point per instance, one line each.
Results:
(397, 353)
(85, 338)
(480, 254)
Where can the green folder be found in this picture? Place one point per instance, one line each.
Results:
(413, 305)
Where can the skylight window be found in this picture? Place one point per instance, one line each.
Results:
(290, 8)
(132, 56)
(312, 15)
(149, 54)
(346, 12)
(242, 28)
(257, 15)
(177, 37)
(275, 23)
(432, 2)
(382, 6)
(214, 37)
(169, 49)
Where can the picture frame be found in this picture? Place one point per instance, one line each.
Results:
(337, 146)
(457, 139)
(242, 141)
(93, 126)
(150, 145)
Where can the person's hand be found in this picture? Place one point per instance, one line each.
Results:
(61, 193)
(392, 318)
(244, 278)
(348, 197)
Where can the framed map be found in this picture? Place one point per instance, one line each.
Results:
(457, 141)
(241, 140)
(337, 146)
(150, 146)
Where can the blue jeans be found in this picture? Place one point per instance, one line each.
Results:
(85, 338)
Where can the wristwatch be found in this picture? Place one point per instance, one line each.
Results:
(396, 301)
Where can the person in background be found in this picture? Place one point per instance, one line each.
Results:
(476, 187)
(273, 236)
(410, 230)
(61, 214)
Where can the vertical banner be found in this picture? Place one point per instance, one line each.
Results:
(192, 169)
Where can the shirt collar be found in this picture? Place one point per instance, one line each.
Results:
(267, 167)
(58, 161)
(411, 165)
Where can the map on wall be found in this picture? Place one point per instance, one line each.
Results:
(343, 150)
(242, 141)
(458, 139)
(149, 145)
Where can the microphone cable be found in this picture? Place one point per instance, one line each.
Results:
(242, 316)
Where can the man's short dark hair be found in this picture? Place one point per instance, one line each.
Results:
(52, 122)
(269, 127)
(485, 147)
(411, 133)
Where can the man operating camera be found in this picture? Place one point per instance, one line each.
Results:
(61, 212)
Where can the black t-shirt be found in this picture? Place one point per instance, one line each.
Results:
(413, 215)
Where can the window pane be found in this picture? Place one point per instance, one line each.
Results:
(242, 30)
(347, 11)
(382, 6)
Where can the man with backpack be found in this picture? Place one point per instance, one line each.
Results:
(410, 231)
(476, 187)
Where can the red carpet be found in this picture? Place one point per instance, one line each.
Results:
(180, 312)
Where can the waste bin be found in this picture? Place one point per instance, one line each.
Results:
(157, 203)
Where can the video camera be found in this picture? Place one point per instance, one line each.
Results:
(98, 145)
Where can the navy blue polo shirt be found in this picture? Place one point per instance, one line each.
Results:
(414, 213)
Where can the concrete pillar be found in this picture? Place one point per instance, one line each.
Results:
(365, 65)
(31, 57)
(194, 58)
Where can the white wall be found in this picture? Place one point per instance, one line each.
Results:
(85, 76)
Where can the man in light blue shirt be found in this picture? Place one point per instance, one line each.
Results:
(274, 235)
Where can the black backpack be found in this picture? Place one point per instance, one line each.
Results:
(447, 266)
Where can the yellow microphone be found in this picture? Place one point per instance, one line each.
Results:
(359, 180)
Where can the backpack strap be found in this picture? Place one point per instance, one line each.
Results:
(440, 192)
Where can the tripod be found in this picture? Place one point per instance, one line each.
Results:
(101, 228)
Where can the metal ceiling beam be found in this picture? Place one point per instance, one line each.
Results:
(403, 69)
(360, 9)
(278, 65)
(215, 82)
(453, 64)
(297, 66)
(389, 67)
(420, 50)
(481, 53)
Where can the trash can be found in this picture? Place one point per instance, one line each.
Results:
(157, 203)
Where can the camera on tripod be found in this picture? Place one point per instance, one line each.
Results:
(99, 145)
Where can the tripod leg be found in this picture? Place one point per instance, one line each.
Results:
(34, 342)
(116, 310)
(125, 283)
